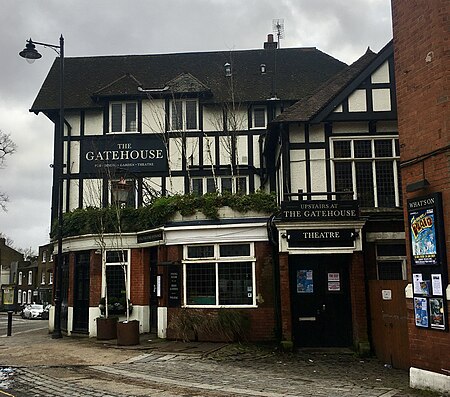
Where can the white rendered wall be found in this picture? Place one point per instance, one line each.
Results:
(192, 151)
(74, 194)
(316, 133)
(318, 170)
(357, 101)
(298, 170)
(153, 115)
(93, 123)
(162, 322)
(74, 164)
(92, 193)
(212, 118)
(381, 99)
(381, 75)
(350, 127)
(296, 133)
(175, 153)
(74, 121)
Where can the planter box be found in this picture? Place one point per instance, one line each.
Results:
(128, 333)
(106, 328)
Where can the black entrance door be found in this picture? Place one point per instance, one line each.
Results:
(81, 293)
(320, 300)
(64, 292)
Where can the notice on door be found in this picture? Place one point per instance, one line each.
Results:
(305, 282)
(334, 282)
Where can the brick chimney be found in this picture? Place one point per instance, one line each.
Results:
(270, 44)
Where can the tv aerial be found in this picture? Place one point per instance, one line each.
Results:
(278, 29)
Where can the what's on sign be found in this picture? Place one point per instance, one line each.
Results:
(311, 210)
(133, 152)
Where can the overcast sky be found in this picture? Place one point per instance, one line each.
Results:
(341, 28)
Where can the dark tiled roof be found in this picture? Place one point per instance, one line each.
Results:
(307, 108)
(299, 71)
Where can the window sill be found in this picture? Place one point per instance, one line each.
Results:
(220, 306)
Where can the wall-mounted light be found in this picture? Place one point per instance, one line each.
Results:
(227, 68)
(262, 68)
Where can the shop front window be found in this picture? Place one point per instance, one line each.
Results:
(219, 275)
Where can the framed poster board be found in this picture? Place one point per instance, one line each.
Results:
(428, 261)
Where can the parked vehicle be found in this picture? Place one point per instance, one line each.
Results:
(45, 313)
(33, 311)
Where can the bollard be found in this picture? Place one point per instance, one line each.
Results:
(10, 313)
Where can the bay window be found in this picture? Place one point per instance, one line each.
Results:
(219, 275)
(221, 184)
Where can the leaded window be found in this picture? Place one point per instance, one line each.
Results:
(368, 168)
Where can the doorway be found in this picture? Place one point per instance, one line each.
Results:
(154, 290)
(81, 293)
(320, 300)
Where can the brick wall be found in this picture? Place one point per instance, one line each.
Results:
(285, 298)
(95, 272)
(358, 298)
(421, 45)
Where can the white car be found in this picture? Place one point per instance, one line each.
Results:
(33, 311)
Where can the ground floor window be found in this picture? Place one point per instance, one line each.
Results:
(219, 275)
(391, 261)
(116, 279)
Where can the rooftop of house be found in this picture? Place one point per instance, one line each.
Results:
(290, 74)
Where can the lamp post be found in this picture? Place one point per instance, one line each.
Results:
(31, 54)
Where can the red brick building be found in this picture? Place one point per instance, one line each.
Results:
(421, 45)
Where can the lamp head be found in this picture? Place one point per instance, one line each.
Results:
(29, 52)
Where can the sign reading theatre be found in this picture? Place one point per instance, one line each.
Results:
(135, 153)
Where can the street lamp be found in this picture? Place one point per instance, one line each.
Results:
(31, 54)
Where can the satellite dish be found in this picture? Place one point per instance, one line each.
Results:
(278, 28)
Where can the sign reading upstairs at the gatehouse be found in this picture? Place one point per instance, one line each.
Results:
(314, 210)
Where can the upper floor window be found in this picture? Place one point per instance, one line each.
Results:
(184, 115)
(368, 167)
(19, 279)
(50, 277)
(44, 256)
(123, 117)
(30, 277)
(43, 278)
(221, 184)
(259, 117)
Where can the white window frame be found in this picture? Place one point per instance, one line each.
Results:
(50, 278)
(30, 277)
(43, 278)
(184, 114)
(44, 256)
(29, 296)
(124, 117)
(217, 259)
(127, 264)
(24, 297)
(19, 279)
(253, 124)
(19, 296)
(395, 160)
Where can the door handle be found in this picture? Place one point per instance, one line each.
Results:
(323, 308)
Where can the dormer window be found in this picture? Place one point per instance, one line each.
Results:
(123, 117)
(184, 115)
(259, 117)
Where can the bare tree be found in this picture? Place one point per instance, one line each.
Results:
(7, 148)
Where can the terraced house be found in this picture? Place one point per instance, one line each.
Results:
(212, 135)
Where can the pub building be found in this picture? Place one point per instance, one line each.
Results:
(320, 135)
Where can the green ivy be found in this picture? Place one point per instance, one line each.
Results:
(106, 220)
